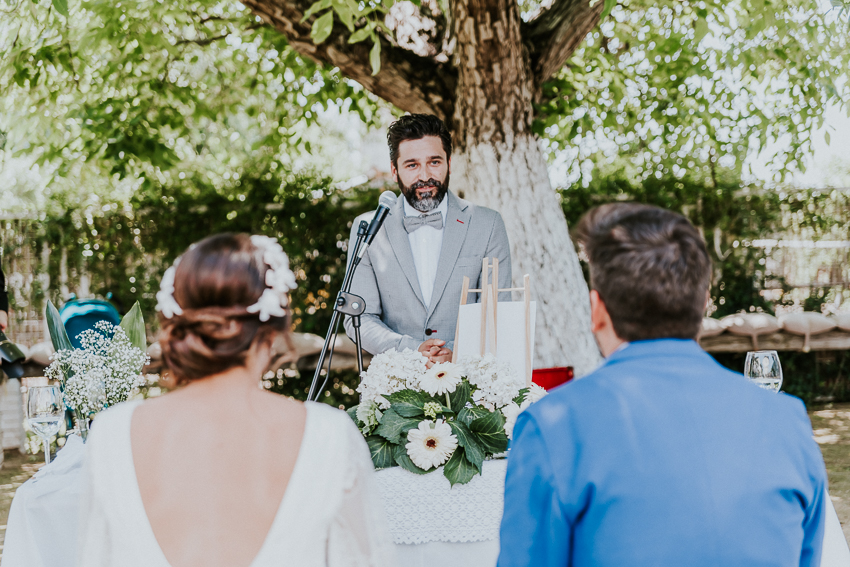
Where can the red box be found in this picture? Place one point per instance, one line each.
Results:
(548, 378)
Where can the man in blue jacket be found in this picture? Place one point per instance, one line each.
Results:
(661, 456)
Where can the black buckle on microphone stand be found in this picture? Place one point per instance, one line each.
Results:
(346, 304)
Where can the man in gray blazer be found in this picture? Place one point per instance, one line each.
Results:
(411, 276)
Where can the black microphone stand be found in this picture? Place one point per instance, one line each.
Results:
(346, 304)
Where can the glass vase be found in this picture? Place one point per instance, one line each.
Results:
(82, 424)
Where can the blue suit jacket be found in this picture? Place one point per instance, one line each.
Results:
(663, 457)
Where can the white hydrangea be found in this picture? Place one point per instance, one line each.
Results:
(511, 412)
(390, 372)
(104, 372)
(496, 380)
(369, 415)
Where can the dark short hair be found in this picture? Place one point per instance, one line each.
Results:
(416, 127)
(216, 280)
(650, 267)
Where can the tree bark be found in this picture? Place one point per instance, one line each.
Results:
(499, 164)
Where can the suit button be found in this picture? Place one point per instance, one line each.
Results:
(429, 332)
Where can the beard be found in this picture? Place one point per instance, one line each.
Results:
(429, 201)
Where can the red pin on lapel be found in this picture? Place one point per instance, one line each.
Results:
(460, 221)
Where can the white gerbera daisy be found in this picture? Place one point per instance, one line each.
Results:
(441, 378)
(431, 444)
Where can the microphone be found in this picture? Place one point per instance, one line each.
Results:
(388, 198)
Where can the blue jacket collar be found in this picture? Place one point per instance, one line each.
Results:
(657, 347)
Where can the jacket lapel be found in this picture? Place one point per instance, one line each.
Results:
(454, 235)
(401, 246)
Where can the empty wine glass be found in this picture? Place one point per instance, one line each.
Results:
(763, 368)
(45, 412)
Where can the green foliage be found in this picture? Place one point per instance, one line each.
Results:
(680, 88)
(143, 90)
(730, 216)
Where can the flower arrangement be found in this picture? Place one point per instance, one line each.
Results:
(107, 370)
(452, 416)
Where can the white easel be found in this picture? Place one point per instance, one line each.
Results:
(489, 310)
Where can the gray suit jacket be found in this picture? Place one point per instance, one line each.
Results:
(396, 315)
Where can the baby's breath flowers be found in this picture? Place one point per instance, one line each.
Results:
(105, 372)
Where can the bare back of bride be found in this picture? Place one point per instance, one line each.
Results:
(220, 471)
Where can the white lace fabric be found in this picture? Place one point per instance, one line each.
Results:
(330, 516)
(425, 508)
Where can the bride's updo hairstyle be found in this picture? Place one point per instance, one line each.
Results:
(210, 329)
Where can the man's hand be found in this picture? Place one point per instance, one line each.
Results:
(434, 350)
(4, 321)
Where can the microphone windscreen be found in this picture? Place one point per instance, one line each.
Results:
(387, 199)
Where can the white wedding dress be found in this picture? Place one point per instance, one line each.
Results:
(331, 514)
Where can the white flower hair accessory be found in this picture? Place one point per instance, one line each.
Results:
(279, 279)
(165, 302)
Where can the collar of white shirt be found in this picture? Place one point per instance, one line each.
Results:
(443, 208)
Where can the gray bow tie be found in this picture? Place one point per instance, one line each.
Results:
(434, 219)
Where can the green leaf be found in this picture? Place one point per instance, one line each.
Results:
(403, 460)
(408, 410)
(458, 469)
(490, 432)
(411, 397)
(61, 7)
(375, 55)
(468, 415)
(466, 439)
(393, 426)
(133, 324)
(322, 27)
(827, 138)
(382, 451)
(460, 396)
(609, 5)
(362, 33)
(345, 13)
(316, 7)
(700, 30)
(58, 334)
(352, 413)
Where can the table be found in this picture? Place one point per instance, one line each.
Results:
(433, 523)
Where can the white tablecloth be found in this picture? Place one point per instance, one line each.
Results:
(432, 523)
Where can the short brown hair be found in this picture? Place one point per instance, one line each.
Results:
(215, 281)
(650, 267)
(416, 127)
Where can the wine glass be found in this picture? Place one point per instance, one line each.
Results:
(45, 412)
(763, 368)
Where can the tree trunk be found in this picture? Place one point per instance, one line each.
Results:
(498, 163)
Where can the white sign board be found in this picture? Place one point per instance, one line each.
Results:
(510, 334)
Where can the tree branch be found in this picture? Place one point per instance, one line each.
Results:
(209, 40)
(410, 82)
(553, 36)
